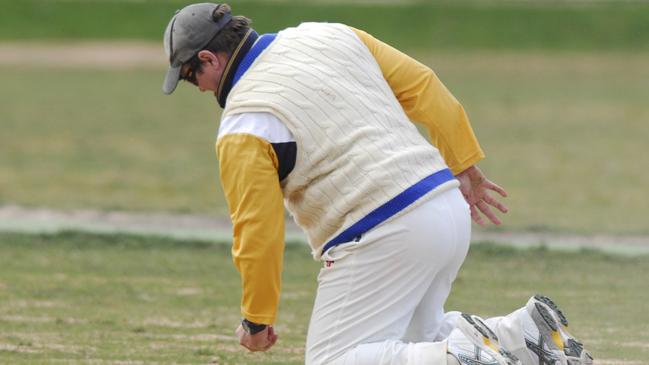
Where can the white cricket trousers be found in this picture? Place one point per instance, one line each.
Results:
(380, 299)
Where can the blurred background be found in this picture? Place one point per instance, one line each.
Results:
(556, 91)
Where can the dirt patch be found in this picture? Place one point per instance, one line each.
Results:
(188, 292)
(642, 345)
(617, 362)
(170, 323)
(32, 304)
(17, 348)
(25, 319)
(103, 55)
(207, 337)
(206, 227)
(41, 319)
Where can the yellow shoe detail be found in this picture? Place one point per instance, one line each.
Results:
(556, 338)
(493, 346)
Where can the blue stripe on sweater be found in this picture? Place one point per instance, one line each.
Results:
(392, 207)
(259, 46)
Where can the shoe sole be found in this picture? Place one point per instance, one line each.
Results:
(550, 303)
(482, 336)
(553, 324)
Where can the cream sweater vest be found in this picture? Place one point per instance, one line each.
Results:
(356, 148)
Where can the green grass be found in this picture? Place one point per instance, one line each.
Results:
(81, 299)
(106, 139)
(564, 133)
(442, 25)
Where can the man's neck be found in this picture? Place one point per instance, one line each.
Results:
(226, 82)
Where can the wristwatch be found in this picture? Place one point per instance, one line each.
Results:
(252, 327)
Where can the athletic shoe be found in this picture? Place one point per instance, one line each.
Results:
(548, 339)
(473, 343)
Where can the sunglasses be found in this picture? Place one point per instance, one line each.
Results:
(189, 75)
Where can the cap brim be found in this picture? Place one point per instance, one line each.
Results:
(171, 80)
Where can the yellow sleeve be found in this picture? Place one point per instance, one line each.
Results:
(248, 171)
(426, 100)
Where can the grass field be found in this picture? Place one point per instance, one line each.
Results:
(563, 132)
(85, 299)
(557, 92)
(460, 24)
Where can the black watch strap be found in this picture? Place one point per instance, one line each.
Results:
(252, 327)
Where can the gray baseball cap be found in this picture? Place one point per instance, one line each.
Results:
(188, 32)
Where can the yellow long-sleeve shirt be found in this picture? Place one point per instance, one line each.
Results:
(250, 172)
(426, 100)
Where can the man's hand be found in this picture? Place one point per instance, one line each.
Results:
(474, 186)
(260, 341)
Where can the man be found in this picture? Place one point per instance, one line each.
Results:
(319, 117)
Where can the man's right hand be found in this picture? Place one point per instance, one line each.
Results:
(261, 341)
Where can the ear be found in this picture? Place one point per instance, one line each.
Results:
(218, 60)
(206, 56)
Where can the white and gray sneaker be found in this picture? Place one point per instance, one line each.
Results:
(547, 338)
(473, 343)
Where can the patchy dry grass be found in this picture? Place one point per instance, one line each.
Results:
(87, 299)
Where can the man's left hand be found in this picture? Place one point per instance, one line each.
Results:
(261, 341)
(475, 186)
